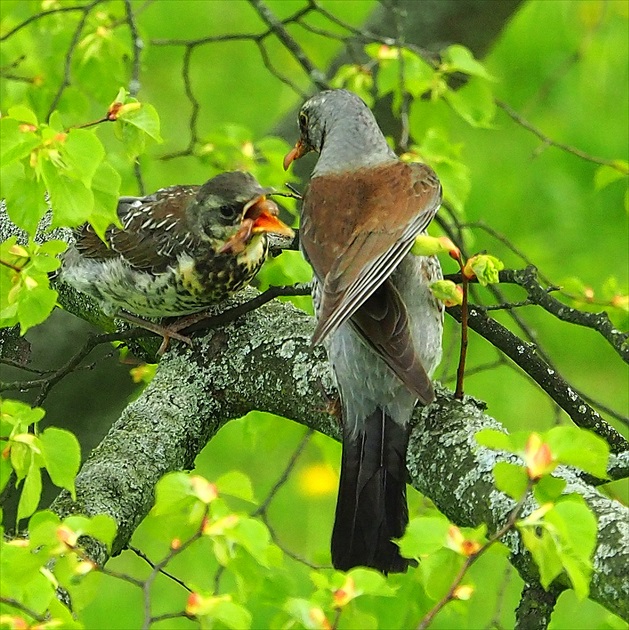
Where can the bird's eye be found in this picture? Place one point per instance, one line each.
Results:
(303, 120)
(229, 213)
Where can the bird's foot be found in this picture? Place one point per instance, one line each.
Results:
(168, 332)
(332, 403)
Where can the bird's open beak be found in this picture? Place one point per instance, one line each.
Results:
(264, 214)
(294, 154)
(259, 215)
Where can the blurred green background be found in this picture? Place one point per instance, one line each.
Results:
(563, 66)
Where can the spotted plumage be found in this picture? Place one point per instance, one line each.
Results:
(180, 249)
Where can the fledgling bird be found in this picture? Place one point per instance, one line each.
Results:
(179, 251)
(380, 323)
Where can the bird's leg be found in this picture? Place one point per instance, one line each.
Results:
(166, 332)
(333, 405)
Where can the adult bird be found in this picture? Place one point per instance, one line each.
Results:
(382, 326)
(179, 250)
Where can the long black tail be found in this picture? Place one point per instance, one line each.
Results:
(371, 507)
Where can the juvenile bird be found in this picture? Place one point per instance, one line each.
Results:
(380, 323)
(179, 251)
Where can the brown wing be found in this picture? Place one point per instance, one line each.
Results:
(383, 323)
(153, 230)
(376, 214)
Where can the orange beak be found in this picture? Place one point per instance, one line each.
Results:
(294, 154)
(260, 215)
(263, 212)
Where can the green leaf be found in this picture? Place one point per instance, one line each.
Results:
(18, 415)
(544, 552)
(145, 119)
(25, 201)
(496, 440)
(308, 614)
(23, 114)
(106, 189)
(60, 613)
(357, 79)
(474, 103)
(173, 493)
(53, 247)
(548, 489)
(16, 143)
(31, 492)
(42, 529)
(511, 479)
(103, 527)
(439, 570)
(576, 526)
(5, 468)
(424, 535)
(70, 199)
(425, 245)
(233, 615)
(83, 153)
(236, 484)
(35, 304)
(438, 150)
(606, 175)
(485, 267)
(580, 448)
(62, 455)
(448, 292)
(21, 457)
(460, 59)
(370, 582)
(254, 537)
(221, 608)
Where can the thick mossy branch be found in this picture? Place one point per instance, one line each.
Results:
(263, 361)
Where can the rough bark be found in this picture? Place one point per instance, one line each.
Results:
(262, 361)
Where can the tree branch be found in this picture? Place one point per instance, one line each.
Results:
(536, 607)
(263, 361)
(524, 355)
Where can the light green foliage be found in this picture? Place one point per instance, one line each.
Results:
(438, 149)
(484, 267)
(447, 292)
(25, 293)
(563, 538)
(561, 533)
(565, 213)
(69, 166)
(338, 593)
(25, 453)
(568, 445)
(32, 568)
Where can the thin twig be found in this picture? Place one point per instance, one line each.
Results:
(43, 14)
(283, 478)
(68, 56)
(526, 356)
(560, 145)
(278, 28)
(174, 578)
(460, 373)
(450, 595)
(14, 603)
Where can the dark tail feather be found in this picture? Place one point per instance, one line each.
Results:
(371, 507)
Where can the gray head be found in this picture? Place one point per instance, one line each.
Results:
(339, 126)
(223, 203)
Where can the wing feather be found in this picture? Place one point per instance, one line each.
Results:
(383, 210)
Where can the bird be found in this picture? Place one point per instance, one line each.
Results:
(177, 252)
(382, 327)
